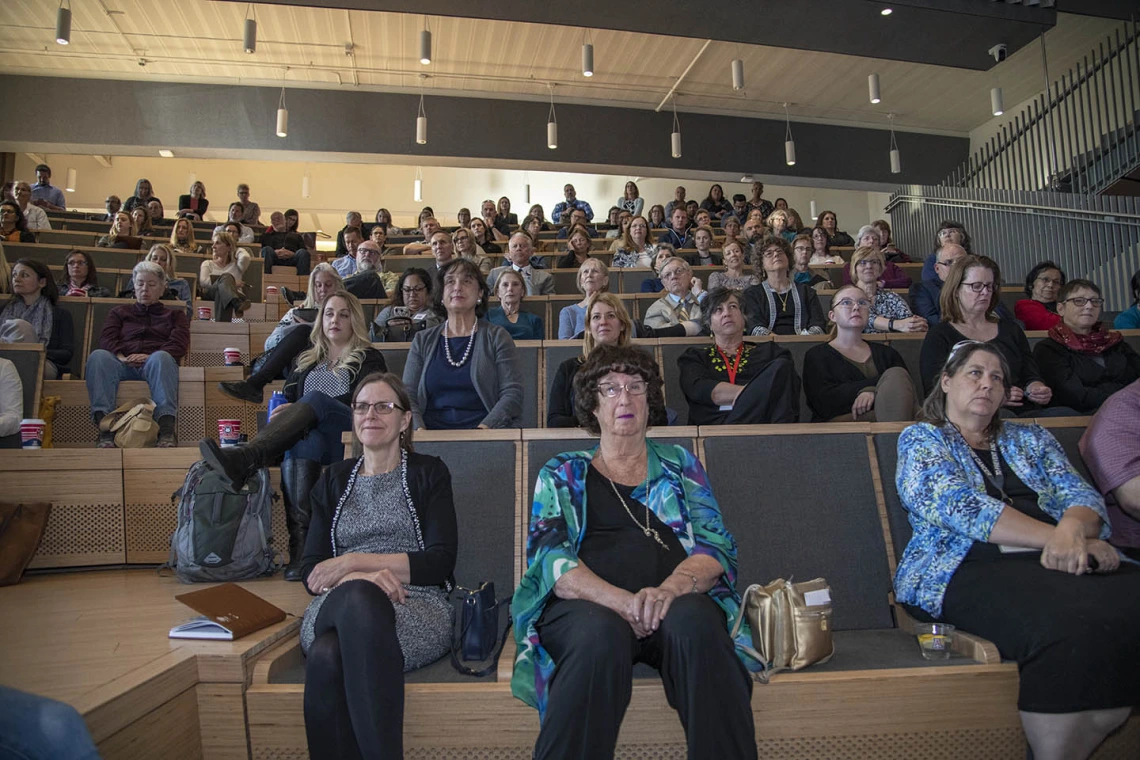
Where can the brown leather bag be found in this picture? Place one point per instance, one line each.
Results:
(21, 528)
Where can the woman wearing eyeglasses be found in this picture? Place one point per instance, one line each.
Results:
(1082, 360)
(307, 429)
(778, 305)
(629, 560)
(379, 558)
(851, 380)
(410, 311)
(969, 298)
(1039, 310)
(889, 312)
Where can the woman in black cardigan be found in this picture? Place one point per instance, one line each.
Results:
(379, 559)
(849, 379)
(1082, 361)
(307, 429)
(778, 305)
(33, 315)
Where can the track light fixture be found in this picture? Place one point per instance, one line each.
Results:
(249, 35)
(997, 104)
(421, 123)
(587, 56)
(63, 23)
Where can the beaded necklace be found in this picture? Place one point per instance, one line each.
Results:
(447, 346)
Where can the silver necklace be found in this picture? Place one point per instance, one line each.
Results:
(647, 529)
(996, 478)
(447, 346)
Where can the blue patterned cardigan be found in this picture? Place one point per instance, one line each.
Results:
(945, 495)
(679, 494)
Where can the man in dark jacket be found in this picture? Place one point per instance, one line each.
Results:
(366, 282)
(280, 246)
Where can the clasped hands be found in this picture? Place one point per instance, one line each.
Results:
(1037, 392)
(1068, 550)
(332, 572)
(645, 610)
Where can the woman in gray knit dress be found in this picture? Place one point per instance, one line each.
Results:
(379, 559)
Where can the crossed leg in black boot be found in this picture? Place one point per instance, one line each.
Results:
(276, 360)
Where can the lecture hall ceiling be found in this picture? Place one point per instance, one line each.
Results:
(200, 41)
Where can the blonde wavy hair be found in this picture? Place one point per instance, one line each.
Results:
(191, 244)
(310, 301)
(612, 300)
(322, 347)
(171, 258)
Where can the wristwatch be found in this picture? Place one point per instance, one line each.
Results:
(890, 325)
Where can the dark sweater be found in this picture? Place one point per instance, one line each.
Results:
(61, 346)
(289, 240)
(429, 486)
(1010, 341)
(138, 329)
(185, 203)
(831, 383)
(1079, 380)
(699, 377)
(560, 405)
(373, 362)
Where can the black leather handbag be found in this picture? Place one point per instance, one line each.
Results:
(478, 639)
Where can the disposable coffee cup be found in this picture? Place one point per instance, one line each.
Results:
(205, 312)
(935, 640)
(232, 356)
(229, 432)
(32, 433)
(270, 290)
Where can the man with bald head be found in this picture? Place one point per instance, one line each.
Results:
(367, 281)
(926, 294)
(281, 246)
(519, 250)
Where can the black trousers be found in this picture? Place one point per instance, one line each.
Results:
(770, 397)
(595, 649)
(278, 359)
(354, 677)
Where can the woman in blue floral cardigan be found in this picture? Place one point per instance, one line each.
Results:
(1009, 544)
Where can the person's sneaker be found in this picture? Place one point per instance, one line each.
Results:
(106, 440)
(241, 390)
(167, 440)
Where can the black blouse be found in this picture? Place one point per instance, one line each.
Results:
(1010, 340)
(1023, 497)
(1083, 381)
(832, 383)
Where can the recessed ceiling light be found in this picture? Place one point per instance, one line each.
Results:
(886, 11)
(166, 153)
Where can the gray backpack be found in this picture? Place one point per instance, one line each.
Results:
(222, 535)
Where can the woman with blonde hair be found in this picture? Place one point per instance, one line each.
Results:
(889, 312)
(636, 248)
(163, 255)
(307, 428)
(182, 238)
(123, 233)
(193, 205)
(220, 277)
(593, 278)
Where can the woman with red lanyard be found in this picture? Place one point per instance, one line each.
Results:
(732, 382)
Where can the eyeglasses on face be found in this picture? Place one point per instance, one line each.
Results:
(979, 287)
(1080, 301)
(413, 289)
(869, 263)
(848, 303)
(613, 390)
(361, 408)
(1049, 280)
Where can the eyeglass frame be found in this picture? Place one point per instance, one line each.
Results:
(382, 408)
(1097, 301)
(613, 390)
(979, 287)
(848, 303)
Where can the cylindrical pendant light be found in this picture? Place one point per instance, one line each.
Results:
(814, 215)
(305, 186)
(249, 35)
(425, 44)
(282, 116)
(896, 161)
(63, 25)
(418, 186)
(997, 106)
(71, 177)
(588, 59)
(738, 74)
(421, 123)
(552, 134)
(873, 88)
(675, 144)
(526, 193)
(790, 152)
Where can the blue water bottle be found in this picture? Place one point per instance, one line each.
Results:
(276, 400)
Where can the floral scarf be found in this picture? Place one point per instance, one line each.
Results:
(38, 315)
(1095, 343)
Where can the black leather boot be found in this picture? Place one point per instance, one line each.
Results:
(239, 463)
(298, 476)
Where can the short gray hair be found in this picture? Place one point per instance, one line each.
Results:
(148, 267)
(868, 228)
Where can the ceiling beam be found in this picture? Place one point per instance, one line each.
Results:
(104, 161)
(953, 33)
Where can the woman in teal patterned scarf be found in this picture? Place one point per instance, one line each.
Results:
(628, 561)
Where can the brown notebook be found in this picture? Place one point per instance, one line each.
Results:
(228, 612)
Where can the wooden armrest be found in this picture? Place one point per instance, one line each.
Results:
(282, 656)
(965, 644)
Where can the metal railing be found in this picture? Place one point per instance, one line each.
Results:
(1079, 136)
(1096, 237)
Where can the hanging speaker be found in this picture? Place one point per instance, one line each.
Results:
(249, 38)
(418, 190)
(996, 104)
(425, 47)
(588, 60)
(282, 122)
(70, 186)
(814, 215)
(63, 25)
(873, 88)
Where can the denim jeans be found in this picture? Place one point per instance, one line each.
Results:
(38, 728)
(105, 372)
(323, 443)
(300, 260)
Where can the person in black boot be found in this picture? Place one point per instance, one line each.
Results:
(307, 429)
(291, 336)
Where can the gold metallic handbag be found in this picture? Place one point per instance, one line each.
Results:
(791, 624)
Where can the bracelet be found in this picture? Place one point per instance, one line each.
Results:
(890, 325)
(693, 590)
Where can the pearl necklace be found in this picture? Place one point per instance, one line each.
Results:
(447, 346)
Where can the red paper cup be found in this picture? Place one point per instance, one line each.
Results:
(270, 290)
(205, 312)
(229, 432)
(32, 433)
(232, 356)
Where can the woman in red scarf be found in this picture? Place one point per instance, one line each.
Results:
(1083, 362)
